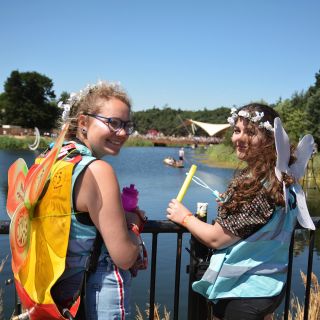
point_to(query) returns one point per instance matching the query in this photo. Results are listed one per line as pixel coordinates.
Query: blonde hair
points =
(85, 102)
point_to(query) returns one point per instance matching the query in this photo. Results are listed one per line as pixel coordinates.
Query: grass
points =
(297, 309)
(21, 143)
(220, 155)
(157, 316)
(138, 142)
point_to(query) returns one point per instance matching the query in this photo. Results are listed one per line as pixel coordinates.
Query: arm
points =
(213, 236)
(97, 192)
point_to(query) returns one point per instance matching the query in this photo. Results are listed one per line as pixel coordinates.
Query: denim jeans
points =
(107, 292)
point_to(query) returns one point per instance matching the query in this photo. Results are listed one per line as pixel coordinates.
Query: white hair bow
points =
(296, 170)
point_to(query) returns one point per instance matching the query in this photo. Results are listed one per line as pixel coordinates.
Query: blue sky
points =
(184, 54)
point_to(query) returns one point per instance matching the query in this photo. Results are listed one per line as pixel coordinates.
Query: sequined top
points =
(248, 217)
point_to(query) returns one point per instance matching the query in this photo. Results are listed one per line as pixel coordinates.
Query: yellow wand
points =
(186, 183)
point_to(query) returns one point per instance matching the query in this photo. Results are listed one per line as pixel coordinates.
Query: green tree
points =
(313, 114)
(294, 117)
(64, 96)
(29, 101)
(170, 121)
(312, 90)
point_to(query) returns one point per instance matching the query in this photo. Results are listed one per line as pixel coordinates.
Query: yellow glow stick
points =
(186, 183)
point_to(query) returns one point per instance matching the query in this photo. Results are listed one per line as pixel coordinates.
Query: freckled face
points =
(100, 139)
(246, 141)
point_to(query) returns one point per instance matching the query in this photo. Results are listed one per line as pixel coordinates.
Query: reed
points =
(157, 316)
(297, 309)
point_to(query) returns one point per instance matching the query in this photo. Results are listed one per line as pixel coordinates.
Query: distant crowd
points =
(195, 139)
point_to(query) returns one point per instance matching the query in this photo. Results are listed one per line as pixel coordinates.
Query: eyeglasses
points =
(115, 124)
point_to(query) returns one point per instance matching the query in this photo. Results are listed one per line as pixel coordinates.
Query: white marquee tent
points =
(210, 128)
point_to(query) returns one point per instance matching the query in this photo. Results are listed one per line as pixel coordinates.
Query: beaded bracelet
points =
(185, 219)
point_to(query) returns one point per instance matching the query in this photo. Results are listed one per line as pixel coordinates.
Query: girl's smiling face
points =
(100, 138)
(247, 140)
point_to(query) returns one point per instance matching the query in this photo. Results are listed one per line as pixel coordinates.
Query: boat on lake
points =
(173, 162)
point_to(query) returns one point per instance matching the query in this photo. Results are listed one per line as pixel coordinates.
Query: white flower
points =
(231, 120)
(267, 125)
(244, 114)
(258, 116)
(254, 118)
(66, 109)
(233, 111)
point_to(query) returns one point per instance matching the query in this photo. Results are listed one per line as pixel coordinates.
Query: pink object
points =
(129, 197)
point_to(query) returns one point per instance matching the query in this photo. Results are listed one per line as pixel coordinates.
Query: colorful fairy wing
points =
(49, 238)
(37, 179)
(16, 178)
(19, 237)
(303, 154)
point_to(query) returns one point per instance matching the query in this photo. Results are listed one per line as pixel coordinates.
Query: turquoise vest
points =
(82, 235)
(256, 266)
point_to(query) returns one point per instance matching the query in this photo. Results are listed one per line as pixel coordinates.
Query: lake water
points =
(157, 185)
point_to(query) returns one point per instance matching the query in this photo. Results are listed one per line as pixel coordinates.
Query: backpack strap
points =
(95, 253)
(91, 267)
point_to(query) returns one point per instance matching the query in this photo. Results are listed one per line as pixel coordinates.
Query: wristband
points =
(135, 229)
(185, 219)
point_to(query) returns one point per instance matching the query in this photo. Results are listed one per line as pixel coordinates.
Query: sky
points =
(190, 54)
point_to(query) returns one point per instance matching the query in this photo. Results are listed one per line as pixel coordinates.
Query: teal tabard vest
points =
(255, 266)
(82, 235)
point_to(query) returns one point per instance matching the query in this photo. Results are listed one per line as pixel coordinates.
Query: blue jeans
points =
(107, 292)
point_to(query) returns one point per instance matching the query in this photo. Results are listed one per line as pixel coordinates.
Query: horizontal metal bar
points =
(151, 226)
(154, 226)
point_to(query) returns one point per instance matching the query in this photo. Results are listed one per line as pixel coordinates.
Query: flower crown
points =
(76, 97)
(256, 118)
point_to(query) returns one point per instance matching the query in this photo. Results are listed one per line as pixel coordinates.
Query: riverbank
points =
(223, 156)
(23, 142)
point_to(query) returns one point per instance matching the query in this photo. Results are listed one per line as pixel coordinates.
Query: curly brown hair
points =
(261, 173)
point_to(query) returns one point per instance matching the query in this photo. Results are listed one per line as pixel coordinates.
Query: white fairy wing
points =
(286, 196)
(282, 147)
(303, 213)
(303, 154)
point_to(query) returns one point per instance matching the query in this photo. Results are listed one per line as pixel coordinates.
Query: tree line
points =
(29, 101)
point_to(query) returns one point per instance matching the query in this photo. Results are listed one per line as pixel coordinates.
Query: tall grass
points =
(220, 155)
(21, 143)
(157, 316)
(297, 309)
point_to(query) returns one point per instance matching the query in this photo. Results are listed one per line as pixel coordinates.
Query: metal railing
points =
(197, 305)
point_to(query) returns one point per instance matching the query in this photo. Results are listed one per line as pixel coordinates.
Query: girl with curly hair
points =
(255, 220)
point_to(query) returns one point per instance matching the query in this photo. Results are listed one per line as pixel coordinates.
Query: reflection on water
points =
(157, 185)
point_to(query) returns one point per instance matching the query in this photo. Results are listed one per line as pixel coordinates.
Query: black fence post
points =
(197, 304)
